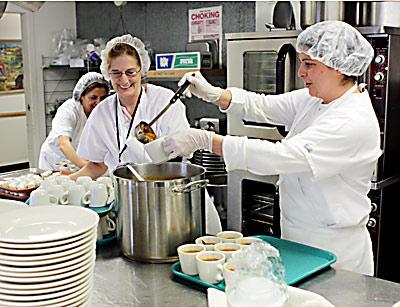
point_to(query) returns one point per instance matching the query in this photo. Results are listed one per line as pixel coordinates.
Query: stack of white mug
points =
(213, 257)
(230, 257)
(64, 191)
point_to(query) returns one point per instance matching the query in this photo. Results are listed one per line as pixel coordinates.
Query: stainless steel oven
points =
(262, 62)
(383, 80)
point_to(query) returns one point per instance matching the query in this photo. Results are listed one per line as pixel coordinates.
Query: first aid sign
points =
(184, 60)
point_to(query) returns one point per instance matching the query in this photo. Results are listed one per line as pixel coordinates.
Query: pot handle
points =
(191, 186)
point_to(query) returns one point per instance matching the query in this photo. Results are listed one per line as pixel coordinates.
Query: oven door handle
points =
(286, 49)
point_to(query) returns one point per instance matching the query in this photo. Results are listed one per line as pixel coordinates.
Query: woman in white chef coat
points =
(108, 138)
(71, 116)
(327, 159)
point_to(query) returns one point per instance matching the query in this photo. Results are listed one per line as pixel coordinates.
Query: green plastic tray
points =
(300, 261)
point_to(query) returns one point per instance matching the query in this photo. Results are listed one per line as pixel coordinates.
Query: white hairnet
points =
(87, 80)
(337, 45)
(129, 40)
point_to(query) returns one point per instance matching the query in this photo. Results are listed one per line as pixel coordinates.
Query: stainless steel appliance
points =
(263, 62)
(383, 79)
(155, 216)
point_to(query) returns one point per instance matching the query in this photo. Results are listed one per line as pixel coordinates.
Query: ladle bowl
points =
(143, 131)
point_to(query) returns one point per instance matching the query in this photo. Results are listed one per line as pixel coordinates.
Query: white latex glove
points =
(187, 141)
(200, 87)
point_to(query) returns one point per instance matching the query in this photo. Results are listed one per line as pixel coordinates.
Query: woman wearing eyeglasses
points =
(108, 138)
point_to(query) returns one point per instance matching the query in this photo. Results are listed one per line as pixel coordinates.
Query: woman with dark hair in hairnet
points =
(69, 121)
(327, 159)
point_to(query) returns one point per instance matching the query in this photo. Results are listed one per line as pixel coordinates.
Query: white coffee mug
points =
(67, 184)
(45, 184)
(229, 235)
(85, 181)
(208, 241)
(62, 179)
(76, 193)
(210, 266)
(155, 150)
(58, 191)
(105, 226)
(40, 197)
(230, 271)
(105, 180)
(245, 242)
(110, 187)
(97, 195)
(227, 248)
(187, 257)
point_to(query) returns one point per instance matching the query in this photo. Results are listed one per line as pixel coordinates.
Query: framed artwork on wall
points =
(11, 67)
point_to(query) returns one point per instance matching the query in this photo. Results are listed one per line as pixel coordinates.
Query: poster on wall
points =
(11, 70)
(205, 23)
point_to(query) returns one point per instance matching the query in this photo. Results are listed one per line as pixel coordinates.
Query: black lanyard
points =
(130, 125)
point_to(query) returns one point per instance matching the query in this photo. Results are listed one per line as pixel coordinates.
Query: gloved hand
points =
(200, 87)
(187, 141)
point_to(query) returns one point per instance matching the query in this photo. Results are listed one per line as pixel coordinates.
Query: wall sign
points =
(205, 23)
(183, 60)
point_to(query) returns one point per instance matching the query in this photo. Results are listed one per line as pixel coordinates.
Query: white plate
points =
(42, 297)
(76, 301)
(42, 270)
(49, 250)
(34, 258)
(46, 285)
(10, 205)
(48, 244)
(70, 298)
(65, 273)
(46, 223)
(83, 277)
(90, 247)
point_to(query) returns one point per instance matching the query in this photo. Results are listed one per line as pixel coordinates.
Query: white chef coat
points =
(99, 138)
(325, 165)
(69, 120)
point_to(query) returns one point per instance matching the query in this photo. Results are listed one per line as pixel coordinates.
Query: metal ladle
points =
(135, 173)
(143, 131)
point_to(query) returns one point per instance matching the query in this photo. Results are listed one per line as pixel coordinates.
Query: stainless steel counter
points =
(121, 282)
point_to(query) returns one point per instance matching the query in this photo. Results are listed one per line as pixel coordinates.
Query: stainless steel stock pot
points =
(157, 215)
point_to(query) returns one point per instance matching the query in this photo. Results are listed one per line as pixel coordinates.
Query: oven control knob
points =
(371, 223)
(374, 207)
(380, 59)
(379, 76)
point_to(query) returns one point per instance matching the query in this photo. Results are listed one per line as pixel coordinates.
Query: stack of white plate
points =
(47, 256)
